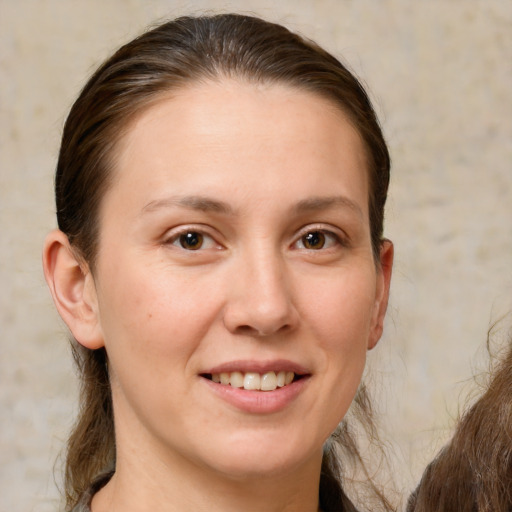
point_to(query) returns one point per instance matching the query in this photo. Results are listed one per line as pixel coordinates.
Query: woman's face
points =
(235, 246)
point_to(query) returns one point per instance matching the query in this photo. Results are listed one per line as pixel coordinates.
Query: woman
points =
(473, 472)
(220, 263)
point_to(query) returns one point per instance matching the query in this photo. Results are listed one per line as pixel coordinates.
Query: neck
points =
(145, 484)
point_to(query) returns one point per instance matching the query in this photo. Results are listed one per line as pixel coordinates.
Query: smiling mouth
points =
(252, 381)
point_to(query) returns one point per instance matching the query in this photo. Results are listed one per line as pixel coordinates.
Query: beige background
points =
(440, 74)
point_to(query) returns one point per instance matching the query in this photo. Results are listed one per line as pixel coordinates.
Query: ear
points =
(382, 292)
(73, 290)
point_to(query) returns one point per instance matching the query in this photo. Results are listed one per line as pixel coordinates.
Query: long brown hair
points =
(473, 472)
(170, 56)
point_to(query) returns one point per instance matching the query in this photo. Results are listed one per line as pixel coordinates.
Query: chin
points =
(257, 460)
(253, 470)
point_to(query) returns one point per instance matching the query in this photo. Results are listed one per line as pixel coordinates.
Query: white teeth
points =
(236, 380)
(268, 381)
(253, 381)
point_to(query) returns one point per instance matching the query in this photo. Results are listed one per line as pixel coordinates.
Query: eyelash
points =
(326, 237)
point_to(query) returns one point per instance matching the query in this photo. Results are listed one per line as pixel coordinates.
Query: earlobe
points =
(382, 292)
(72, 287)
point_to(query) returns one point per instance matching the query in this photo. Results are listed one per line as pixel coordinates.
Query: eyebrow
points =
(314, 204)
(201, 203)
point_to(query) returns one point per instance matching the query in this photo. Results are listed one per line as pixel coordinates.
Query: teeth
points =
(236, 380)
(268, 381)
(254, 381)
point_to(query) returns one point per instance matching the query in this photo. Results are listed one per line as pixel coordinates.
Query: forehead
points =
(231, 133)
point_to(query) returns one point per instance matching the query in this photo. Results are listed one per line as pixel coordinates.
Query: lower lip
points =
(258, 402)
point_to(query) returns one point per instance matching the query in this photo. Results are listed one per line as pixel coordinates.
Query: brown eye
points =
(314, 240)
(191, 240)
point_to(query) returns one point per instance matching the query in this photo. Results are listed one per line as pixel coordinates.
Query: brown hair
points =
(172, 55)
(473, 472)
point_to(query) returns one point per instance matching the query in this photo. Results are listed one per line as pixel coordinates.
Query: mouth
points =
(253, 381)
(257, 387)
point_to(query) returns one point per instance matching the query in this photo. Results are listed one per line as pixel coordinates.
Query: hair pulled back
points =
(180, 52)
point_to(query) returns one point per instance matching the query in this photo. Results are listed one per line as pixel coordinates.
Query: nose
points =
(261, 298)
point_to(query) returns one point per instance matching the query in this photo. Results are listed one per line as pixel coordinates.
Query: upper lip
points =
(245, 366)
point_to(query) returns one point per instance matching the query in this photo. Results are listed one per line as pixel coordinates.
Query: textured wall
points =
(440, 74)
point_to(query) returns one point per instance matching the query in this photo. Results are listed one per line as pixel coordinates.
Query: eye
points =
(316, 240)
(313, 240)
(191, 240)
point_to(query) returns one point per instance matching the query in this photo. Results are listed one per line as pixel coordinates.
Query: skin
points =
(254, 169)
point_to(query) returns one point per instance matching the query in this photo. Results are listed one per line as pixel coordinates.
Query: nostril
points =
(248, 330)
(281, 330)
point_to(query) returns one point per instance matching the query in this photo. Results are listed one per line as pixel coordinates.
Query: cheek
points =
(153, 325)
(153, 313)
(340, 315)
(340, 310)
